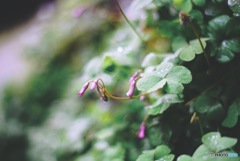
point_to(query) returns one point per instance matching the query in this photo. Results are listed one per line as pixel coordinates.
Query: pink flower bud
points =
(94, 84)
(134, 76)
(83, 89)
(131, 89)
(141, 132)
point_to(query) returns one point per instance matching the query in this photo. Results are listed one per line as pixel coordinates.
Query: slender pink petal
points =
(131, 89)
(83, 89)
(141, 132)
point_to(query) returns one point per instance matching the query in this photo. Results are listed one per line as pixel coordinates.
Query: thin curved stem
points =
(130, 24)
(201, 44)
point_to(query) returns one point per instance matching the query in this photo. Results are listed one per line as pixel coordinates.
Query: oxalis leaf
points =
(150, 83)
(180, 74)
(216, 143)
(163, 103)
(196, 46)
(147, 155)
(188, 52)
(232, 115)
(169, 157)
(173, 87)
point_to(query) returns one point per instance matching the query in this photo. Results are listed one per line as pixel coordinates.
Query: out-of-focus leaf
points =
(205, 102)
(232, 115)
(169, 157)
(151, 60)
(161, 151)
(183, 5)
(147, 155)
(201, 151)
(233, 27)
(216, 143)
(199, 2)
(224, 54)
(184, 158)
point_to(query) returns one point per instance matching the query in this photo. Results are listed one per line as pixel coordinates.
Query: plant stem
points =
(200, 41)
(130, 24)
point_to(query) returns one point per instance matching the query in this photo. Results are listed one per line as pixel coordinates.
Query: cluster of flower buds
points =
(132, 82)
(98, 83)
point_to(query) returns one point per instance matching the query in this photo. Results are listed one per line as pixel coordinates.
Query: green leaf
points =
(196, 46)
(233, 27)
(205, 102)
(161, 151)
(187, 54)
(173, 87)
(163, 103)
(169, 157)
(150, 83)
(217, 26)
(183, 5)
(164, 68)
(199, 2)
(232, 116)
(184, 158)
(147, 155)
(232, 45)
(201, 151)
(216, 143)
(225, 143)
(225, 54)
(158, 107)
(210, 140)
(151, 60)
(109, 65)
(139, 4)
(180, 74)
(178, 42)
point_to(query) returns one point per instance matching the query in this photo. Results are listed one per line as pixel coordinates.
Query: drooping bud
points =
(131, 89)
(134, 76)
(83, 89)
(141, 131)
(94, 84)
(184, 18)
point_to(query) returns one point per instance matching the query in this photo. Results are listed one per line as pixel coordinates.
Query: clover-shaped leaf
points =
(147, 155)
(180, 74)
(216, 143)
(232, 115)
(163, 103)
(188, 51)
(183, 5)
